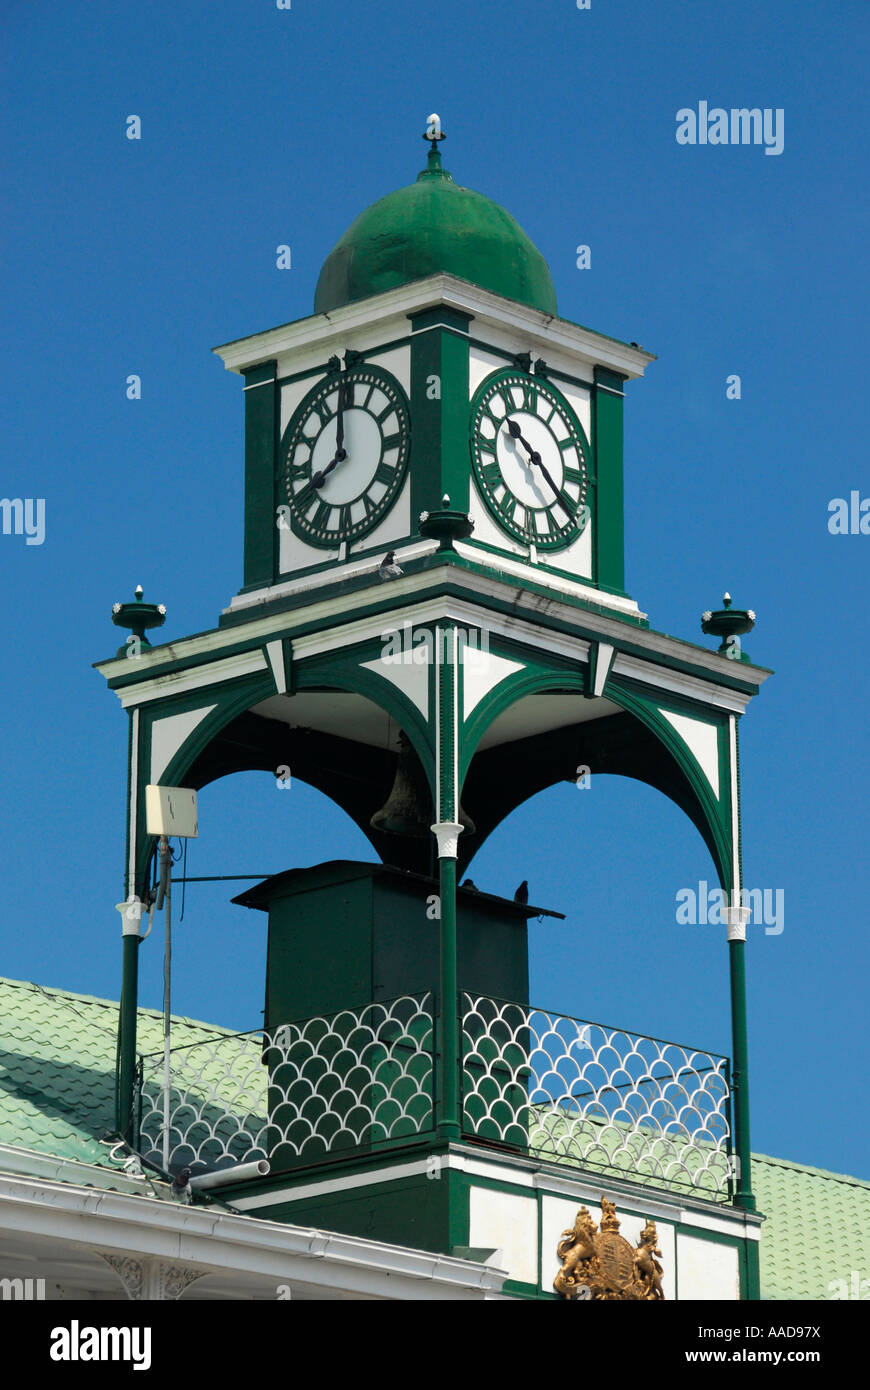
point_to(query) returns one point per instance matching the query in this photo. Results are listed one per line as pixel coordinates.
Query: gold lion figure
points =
(576, 1246)
(648, 1271)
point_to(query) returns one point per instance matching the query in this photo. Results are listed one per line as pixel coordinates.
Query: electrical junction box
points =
(171, 811)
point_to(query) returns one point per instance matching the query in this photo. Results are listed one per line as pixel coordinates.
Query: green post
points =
(439, 409)
(743, 1195)
(126, 1088)
(609, 531)
(449, 1126)
(737, 915)
(261, 521)
(447, 831)
(740, 1075)
(131, 937)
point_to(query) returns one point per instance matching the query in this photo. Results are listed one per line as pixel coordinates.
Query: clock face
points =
(529, 455)
(344, 455)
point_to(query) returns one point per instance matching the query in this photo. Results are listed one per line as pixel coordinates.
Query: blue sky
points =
(263, 127)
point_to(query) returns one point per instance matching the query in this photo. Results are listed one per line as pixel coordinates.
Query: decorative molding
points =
(447, 834)
(603, 658)
(151, 1279)
(181, 682)
(275, 654)
(736, 919)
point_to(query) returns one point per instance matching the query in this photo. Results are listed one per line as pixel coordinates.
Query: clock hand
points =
(565, 501)
(339, 433)
(340, 452)
(535, 457)
(319, 478)
(516, 433)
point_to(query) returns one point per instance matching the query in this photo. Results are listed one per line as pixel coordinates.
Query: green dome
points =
(430, 227)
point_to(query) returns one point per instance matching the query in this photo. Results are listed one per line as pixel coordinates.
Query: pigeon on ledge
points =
(388, 569)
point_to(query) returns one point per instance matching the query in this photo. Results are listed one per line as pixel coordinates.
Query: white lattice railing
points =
(590, 1096)
(573, 1092)
(305, 1091)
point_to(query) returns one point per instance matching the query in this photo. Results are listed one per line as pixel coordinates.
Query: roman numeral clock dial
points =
(344, 456)
(529, 456)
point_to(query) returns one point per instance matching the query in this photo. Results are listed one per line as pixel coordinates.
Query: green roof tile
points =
(816, 1239)
(57, 1068)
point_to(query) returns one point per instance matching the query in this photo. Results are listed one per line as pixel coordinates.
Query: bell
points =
(408, 808)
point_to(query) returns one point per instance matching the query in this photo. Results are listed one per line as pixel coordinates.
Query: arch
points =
(639, 741)
(230, 737)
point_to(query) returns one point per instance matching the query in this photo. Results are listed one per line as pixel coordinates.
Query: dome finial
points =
(433, 133)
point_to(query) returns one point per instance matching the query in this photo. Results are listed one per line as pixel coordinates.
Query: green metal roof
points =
(434, 226)
(57, 1068)
(816, 1233)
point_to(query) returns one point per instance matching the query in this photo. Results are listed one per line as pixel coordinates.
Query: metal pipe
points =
(165, 894)
(219, 878)
(242, 1172)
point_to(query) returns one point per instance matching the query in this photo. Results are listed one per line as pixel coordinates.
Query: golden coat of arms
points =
(600, 1264)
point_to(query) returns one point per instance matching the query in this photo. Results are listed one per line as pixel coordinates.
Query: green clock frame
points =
(319, 522)
(535, 394)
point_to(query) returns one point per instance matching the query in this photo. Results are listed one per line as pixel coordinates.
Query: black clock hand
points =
(516, 433)
(535, 457)
(339, 433)
(560, 495)
(320, 477)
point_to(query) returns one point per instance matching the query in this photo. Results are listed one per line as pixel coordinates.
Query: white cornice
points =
(561, 586)
(651, 1202)
(351, 569)
(181, 682)
(428, 612)
(226, 1242)
(327, 331)
(523, 623)
(575, 588)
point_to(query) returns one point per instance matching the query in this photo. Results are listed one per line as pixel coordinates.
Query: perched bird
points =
(521, 896)
(471, 885)
(388, 569)
(180, 1188)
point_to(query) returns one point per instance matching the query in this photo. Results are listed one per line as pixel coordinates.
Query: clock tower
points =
(433, 626)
